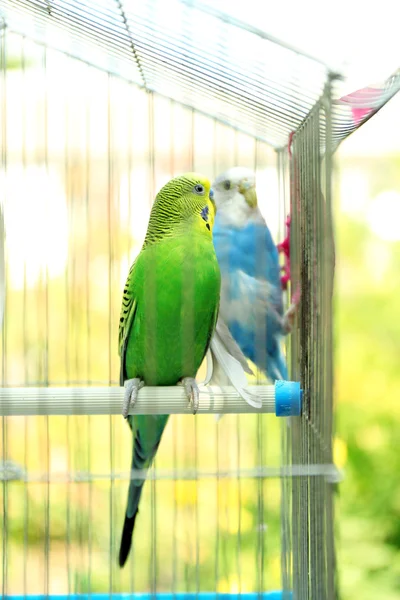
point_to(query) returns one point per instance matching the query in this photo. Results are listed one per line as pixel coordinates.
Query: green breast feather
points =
(171, 299)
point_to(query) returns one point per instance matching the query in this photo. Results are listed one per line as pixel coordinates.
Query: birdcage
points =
(101, 103)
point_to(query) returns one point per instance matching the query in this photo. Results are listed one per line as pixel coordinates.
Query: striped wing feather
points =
(128, 310)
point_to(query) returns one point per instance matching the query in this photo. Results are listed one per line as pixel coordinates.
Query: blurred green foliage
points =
(367, 393)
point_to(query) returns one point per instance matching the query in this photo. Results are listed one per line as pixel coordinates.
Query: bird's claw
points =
(132, 387)
(288, 318)
(290, 314)
(192, 392)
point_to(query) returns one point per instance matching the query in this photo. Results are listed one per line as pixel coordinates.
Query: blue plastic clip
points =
(288, 398)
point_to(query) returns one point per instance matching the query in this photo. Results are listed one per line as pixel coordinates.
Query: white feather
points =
(225, 368)
(209, 365)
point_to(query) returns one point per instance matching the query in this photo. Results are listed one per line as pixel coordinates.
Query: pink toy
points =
(285, 248)
(362, 102)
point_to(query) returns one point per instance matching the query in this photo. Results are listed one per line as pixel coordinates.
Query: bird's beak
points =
(249, 192)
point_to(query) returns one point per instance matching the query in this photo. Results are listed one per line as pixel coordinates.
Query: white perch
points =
(283, 399)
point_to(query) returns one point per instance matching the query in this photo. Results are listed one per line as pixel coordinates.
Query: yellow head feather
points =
(184, 202)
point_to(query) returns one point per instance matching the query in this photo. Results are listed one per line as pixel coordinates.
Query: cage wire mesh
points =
(102, 103)
(83, 150)
(308, 540)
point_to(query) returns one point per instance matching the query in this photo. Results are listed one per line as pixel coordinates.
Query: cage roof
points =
(203, 58)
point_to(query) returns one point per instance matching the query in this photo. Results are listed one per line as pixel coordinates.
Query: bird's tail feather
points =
(234, 372)
(126, 538)
(140, 460)
(229, 365)
(134, 494)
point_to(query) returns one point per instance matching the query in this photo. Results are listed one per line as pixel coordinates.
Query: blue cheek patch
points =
(204, 213)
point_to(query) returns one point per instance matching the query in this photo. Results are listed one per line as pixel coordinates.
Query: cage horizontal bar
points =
(16, 401)
(12, 471)
(276, 595)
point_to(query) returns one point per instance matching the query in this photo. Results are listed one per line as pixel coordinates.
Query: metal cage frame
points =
(294, 113)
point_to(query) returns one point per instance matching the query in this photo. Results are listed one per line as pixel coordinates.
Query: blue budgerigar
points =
(251, 291)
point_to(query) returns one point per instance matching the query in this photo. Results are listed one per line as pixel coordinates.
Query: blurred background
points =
(367, 333)
(58, 151)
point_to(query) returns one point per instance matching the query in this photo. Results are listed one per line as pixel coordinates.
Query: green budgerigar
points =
(169, 312)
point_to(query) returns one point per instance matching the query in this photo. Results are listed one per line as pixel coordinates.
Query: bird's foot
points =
(192, 392)
(132, 387)
(285, 277)
(288, 318)
(290, 314)
(286, 274)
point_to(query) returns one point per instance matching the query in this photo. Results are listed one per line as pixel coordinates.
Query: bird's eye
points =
(227, 185)
(199, 189)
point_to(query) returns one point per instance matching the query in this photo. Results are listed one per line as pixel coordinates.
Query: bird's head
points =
(184, 203)
(235, 195)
